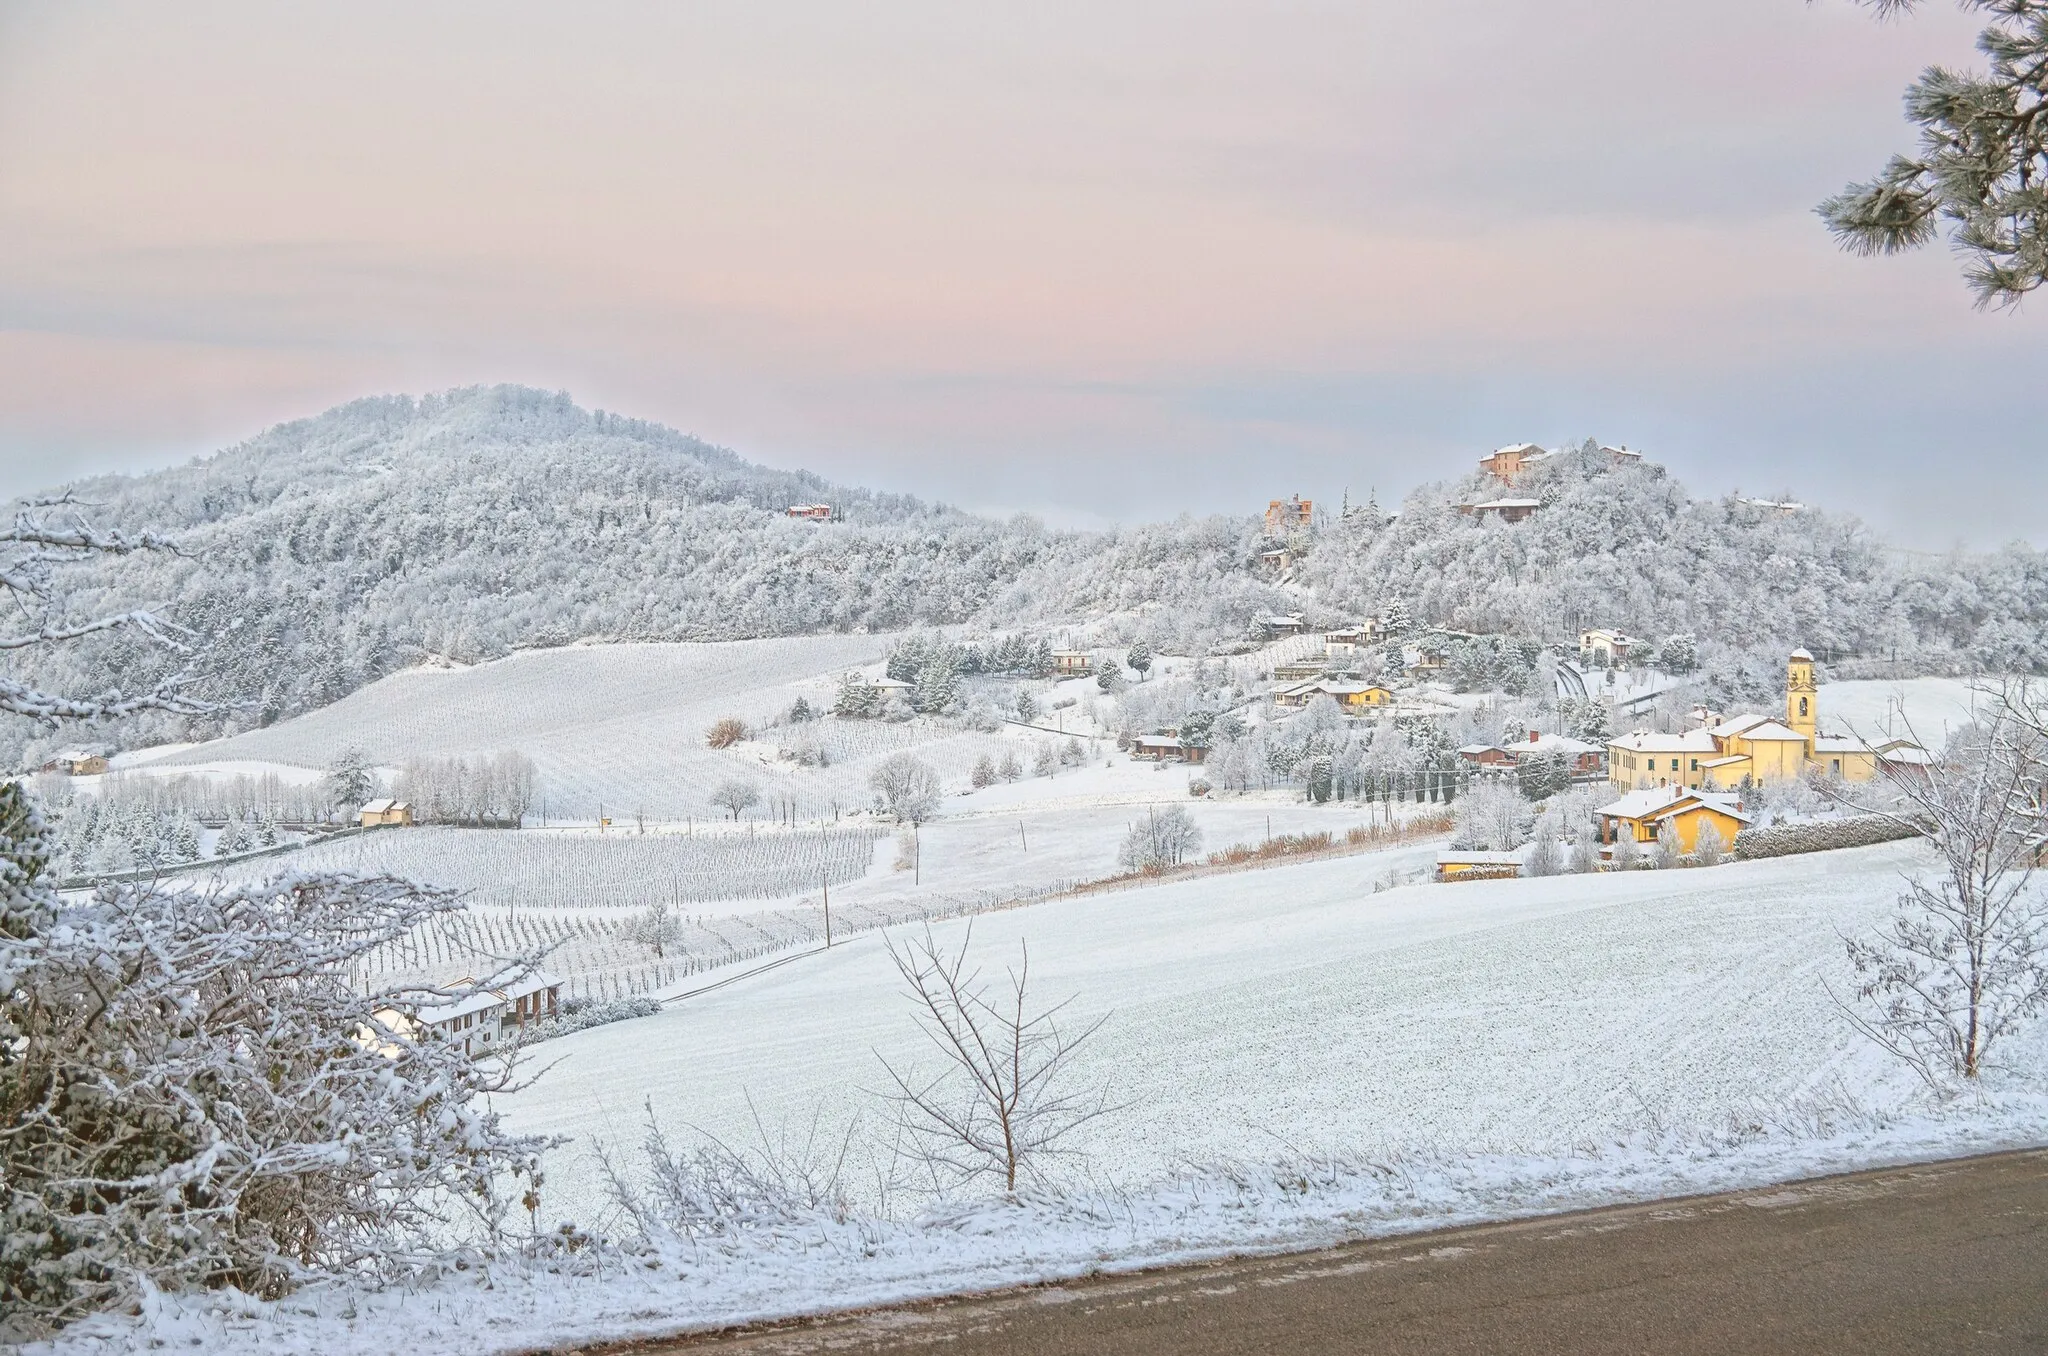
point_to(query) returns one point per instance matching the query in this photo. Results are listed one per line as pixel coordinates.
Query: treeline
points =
(489, 790)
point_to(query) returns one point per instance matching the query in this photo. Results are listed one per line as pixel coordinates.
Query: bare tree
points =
(725, 732)
(1965, 960)
(32, 551)
(736, 797)
(907, 788)
(997, 1107)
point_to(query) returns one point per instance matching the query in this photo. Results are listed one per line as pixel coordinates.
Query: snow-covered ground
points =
(1301, 1060)
(1932, 708)
(1295, 1005)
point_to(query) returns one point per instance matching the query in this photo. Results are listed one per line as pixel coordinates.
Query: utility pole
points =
(1020, 836)
(827, 875)
(916, 855)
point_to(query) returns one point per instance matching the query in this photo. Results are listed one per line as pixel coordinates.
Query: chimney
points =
(1532, 736)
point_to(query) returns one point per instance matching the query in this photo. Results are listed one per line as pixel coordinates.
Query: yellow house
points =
(385, 813)
(1641, 814)
(1348, 696)
(1750, 748)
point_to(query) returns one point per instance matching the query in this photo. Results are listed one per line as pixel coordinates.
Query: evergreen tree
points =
(1982, 164)
(1140, 659)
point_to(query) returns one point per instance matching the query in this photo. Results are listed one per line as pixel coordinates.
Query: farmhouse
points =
(1279, 625)
(1348, 696)
(1581, 758)
(1641, 814)
(78, 762)
(1507, 463)
(1507, 510)
(1285, 515)
(385, 813)
(1068, 663)
(1605, 649)
(1750, 748)
(816, 513)
(1161, 748)
(490, 1017)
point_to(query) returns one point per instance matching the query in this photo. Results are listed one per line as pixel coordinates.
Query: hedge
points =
(1817, 835)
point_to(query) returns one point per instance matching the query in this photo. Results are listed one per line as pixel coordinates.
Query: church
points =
(1750, 749)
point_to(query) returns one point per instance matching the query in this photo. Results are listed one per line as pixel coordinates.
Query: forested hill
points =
(330, 551)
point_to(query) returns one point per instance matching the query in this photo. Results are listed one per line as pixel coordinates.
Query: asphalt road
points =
(1946, 1257)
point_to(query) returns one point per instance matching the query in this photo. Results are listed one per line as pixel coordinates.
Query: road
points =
(1946, 1257)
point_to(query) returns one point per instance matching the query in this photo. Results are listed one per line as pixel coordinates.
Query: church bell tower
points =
(1802, 699)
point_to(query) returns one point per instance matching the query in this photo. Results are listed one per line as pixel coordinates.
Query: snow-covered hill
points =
(332, 551)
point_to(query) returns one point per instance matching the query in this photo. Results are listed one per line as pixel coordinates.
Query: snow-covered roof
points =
(1336, 689)
(1802, 654)
(1474, 750)
(1557, 743)
(1524, 449)
(489, 1000)
(1507, 504)
(1479, 859)
(1735, 725)
(1620, 451)
(1647, 801)
(1908, 755)
(1643, 741)
(1157, 741)
(892, 684)
(1661, 802)
(1771, 731)
(384, 806)
(1724, 762)
(1840, 744)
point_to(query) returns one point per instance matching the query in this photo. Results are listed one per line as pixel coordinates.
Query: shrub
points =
(725, 732)
(1817, 835)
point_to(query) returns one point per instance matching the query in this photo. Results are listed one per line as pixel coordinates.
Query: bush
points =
(726, 732)
(194, 1093)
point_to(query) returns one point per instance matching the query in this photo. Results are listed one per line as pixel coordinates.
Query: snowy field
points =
(1296, 1006)
(1932, 708)
(1301, 1060)
(617, 726)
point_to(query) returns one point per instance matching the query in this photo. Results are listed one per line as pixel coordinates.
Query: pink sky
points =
(1097, 261)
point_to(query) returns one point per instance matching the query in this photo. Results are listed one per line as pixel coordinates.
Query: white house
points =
(490, 1017)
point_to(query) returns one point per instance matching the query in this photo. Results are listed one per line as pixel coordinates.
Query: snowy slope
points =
(1303, 1062)
(1296, 1006)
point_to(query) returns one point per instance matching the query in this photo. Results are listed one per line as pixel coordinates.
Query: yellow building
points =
(1641, 814)
(1348, 696)
(1751, 748)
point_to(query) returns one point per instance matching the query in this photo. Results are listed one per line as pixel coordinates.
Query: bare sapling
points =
(1964, 961)
(1000, 1105)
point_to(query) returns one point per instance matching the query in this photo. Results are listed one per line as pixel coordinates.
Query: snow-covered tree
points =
(1492, 817)
(194, 1091)
(906, 787)
(1982, 162)
(1160, 838)
(736, 796)
(1545, 857)
(1965, 960)
(1140, 659)
(350, 780)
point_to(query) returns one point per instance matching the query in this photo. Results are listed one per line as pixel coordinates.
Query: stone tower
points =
(1802, 699)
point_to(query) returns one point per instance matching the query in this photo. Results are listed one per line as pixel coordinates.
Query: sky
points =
(1102, 262)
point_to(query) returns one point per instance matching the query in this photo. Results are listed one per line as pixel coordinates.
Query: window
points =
(1802, 706)
(1695, 765)
(1674, 765)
